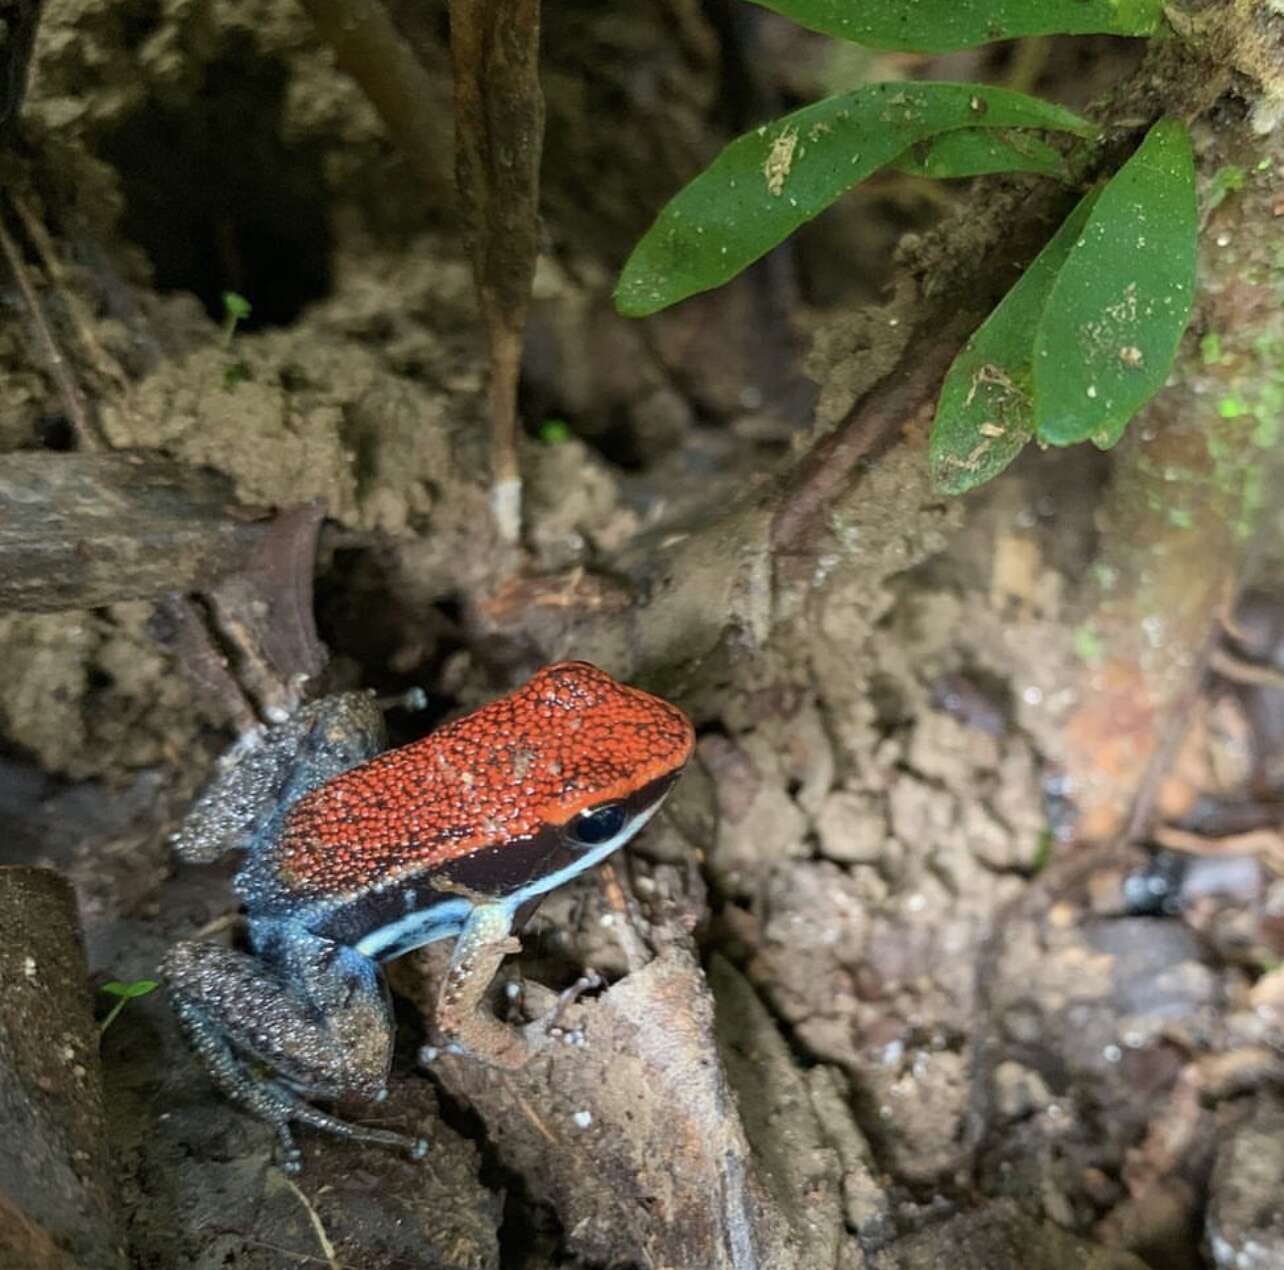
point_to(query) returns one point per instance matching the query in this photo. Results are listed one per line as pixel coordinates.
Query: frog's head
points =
(592, 760)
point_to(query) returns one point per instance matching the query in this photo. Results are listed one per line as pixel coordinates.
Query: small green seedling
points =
(125, 992)
(554, 431)
(236, 309)
(1043, 852)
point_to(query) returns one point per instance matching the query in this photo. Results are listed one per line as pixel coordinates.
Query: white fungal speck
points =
(780, 159)
(582, 1119)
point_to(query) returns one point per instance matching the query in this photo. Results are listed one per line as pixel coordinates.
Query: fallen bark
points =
(55, 1172)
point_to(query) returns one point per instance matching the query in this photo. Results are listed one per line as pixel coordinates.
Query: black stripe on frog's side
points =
(412, 911)
(512, 868)
(388, 906)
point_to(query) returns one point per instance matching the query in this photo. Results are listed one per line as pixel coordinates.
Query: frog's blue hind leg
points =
(275, 768)
(315, 1012)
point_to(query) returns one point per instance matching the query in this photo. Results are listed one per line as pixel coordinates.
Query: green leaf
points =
(985, 413)
(1121, 301)
(937, 26)
(976, 151)
(139, 988)
(236, 306)
(1226, 180)
(775, 178)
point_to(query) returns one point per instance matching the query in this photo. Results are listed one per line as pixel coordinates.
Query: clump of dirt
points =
(359, 404)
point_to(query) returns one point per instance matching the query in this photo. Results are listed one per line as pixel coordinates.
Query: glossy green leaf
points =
(1122, 299)
(138, 988)
(985, 413)
(977, 151)
(937, 26)
(771, 180)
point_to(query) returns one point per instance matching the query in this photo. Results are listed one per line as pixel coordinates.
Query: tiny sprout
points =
(236, 308)
(1043, 852)
(125, 992)
(554, 431)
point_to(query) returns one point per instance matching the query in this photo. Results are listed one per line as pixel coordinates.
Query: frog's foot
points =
(551, 1022)
(271, 1101)
(411, 700)
(462, 1014)
(234, 1010)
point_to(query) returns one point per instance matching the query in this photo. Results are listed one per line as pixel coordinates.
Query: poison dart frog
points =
(355, 854)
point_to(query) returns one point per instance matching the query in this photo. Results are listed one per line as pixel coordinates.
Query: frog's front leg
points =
(313, 1011)
(462, 1014)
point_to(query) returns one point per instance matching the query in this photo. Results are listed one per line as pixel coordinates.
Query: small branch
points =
(104, 363)
(499, 131)
(86, 430)
(195, 651)
(368, 46)
(318, 1229)
(870, 428)
(1170, 734)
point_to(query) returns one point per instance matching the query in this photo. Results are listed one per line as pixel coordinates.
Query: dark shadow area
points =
(219, 201)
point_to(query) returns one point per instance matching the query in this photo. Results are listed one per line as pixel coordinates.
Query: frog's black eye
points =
(592, 828)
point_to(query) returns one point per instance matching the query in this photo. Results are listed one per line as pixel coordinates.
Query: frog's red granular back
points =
(569, 739)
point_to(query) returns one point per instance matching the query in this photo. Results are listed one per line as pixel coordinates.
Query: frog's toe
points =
(291, 1155)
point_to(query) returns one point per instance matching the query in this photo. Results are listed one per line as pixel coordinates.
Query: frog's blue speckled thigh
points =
(313, 1011)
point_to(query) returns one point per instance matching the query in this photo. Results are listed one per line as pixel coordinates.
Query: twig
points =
(1256, 842)
(368, 46)
(298, 1256)
(1241, 671)
(499, 133)
(636, 952)
(103, 361)
(529, 1112)
(869, 429)
(1181, 711)
(196, 651)
(322, 1238)
(77, 412)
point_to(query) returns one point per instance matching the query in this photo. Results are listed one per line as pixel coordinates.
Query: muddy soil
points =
(870, 1003)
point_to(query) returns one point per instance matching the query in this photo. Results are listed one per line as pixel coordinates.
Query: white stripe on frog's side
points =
(439, 920)
(446, 917)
